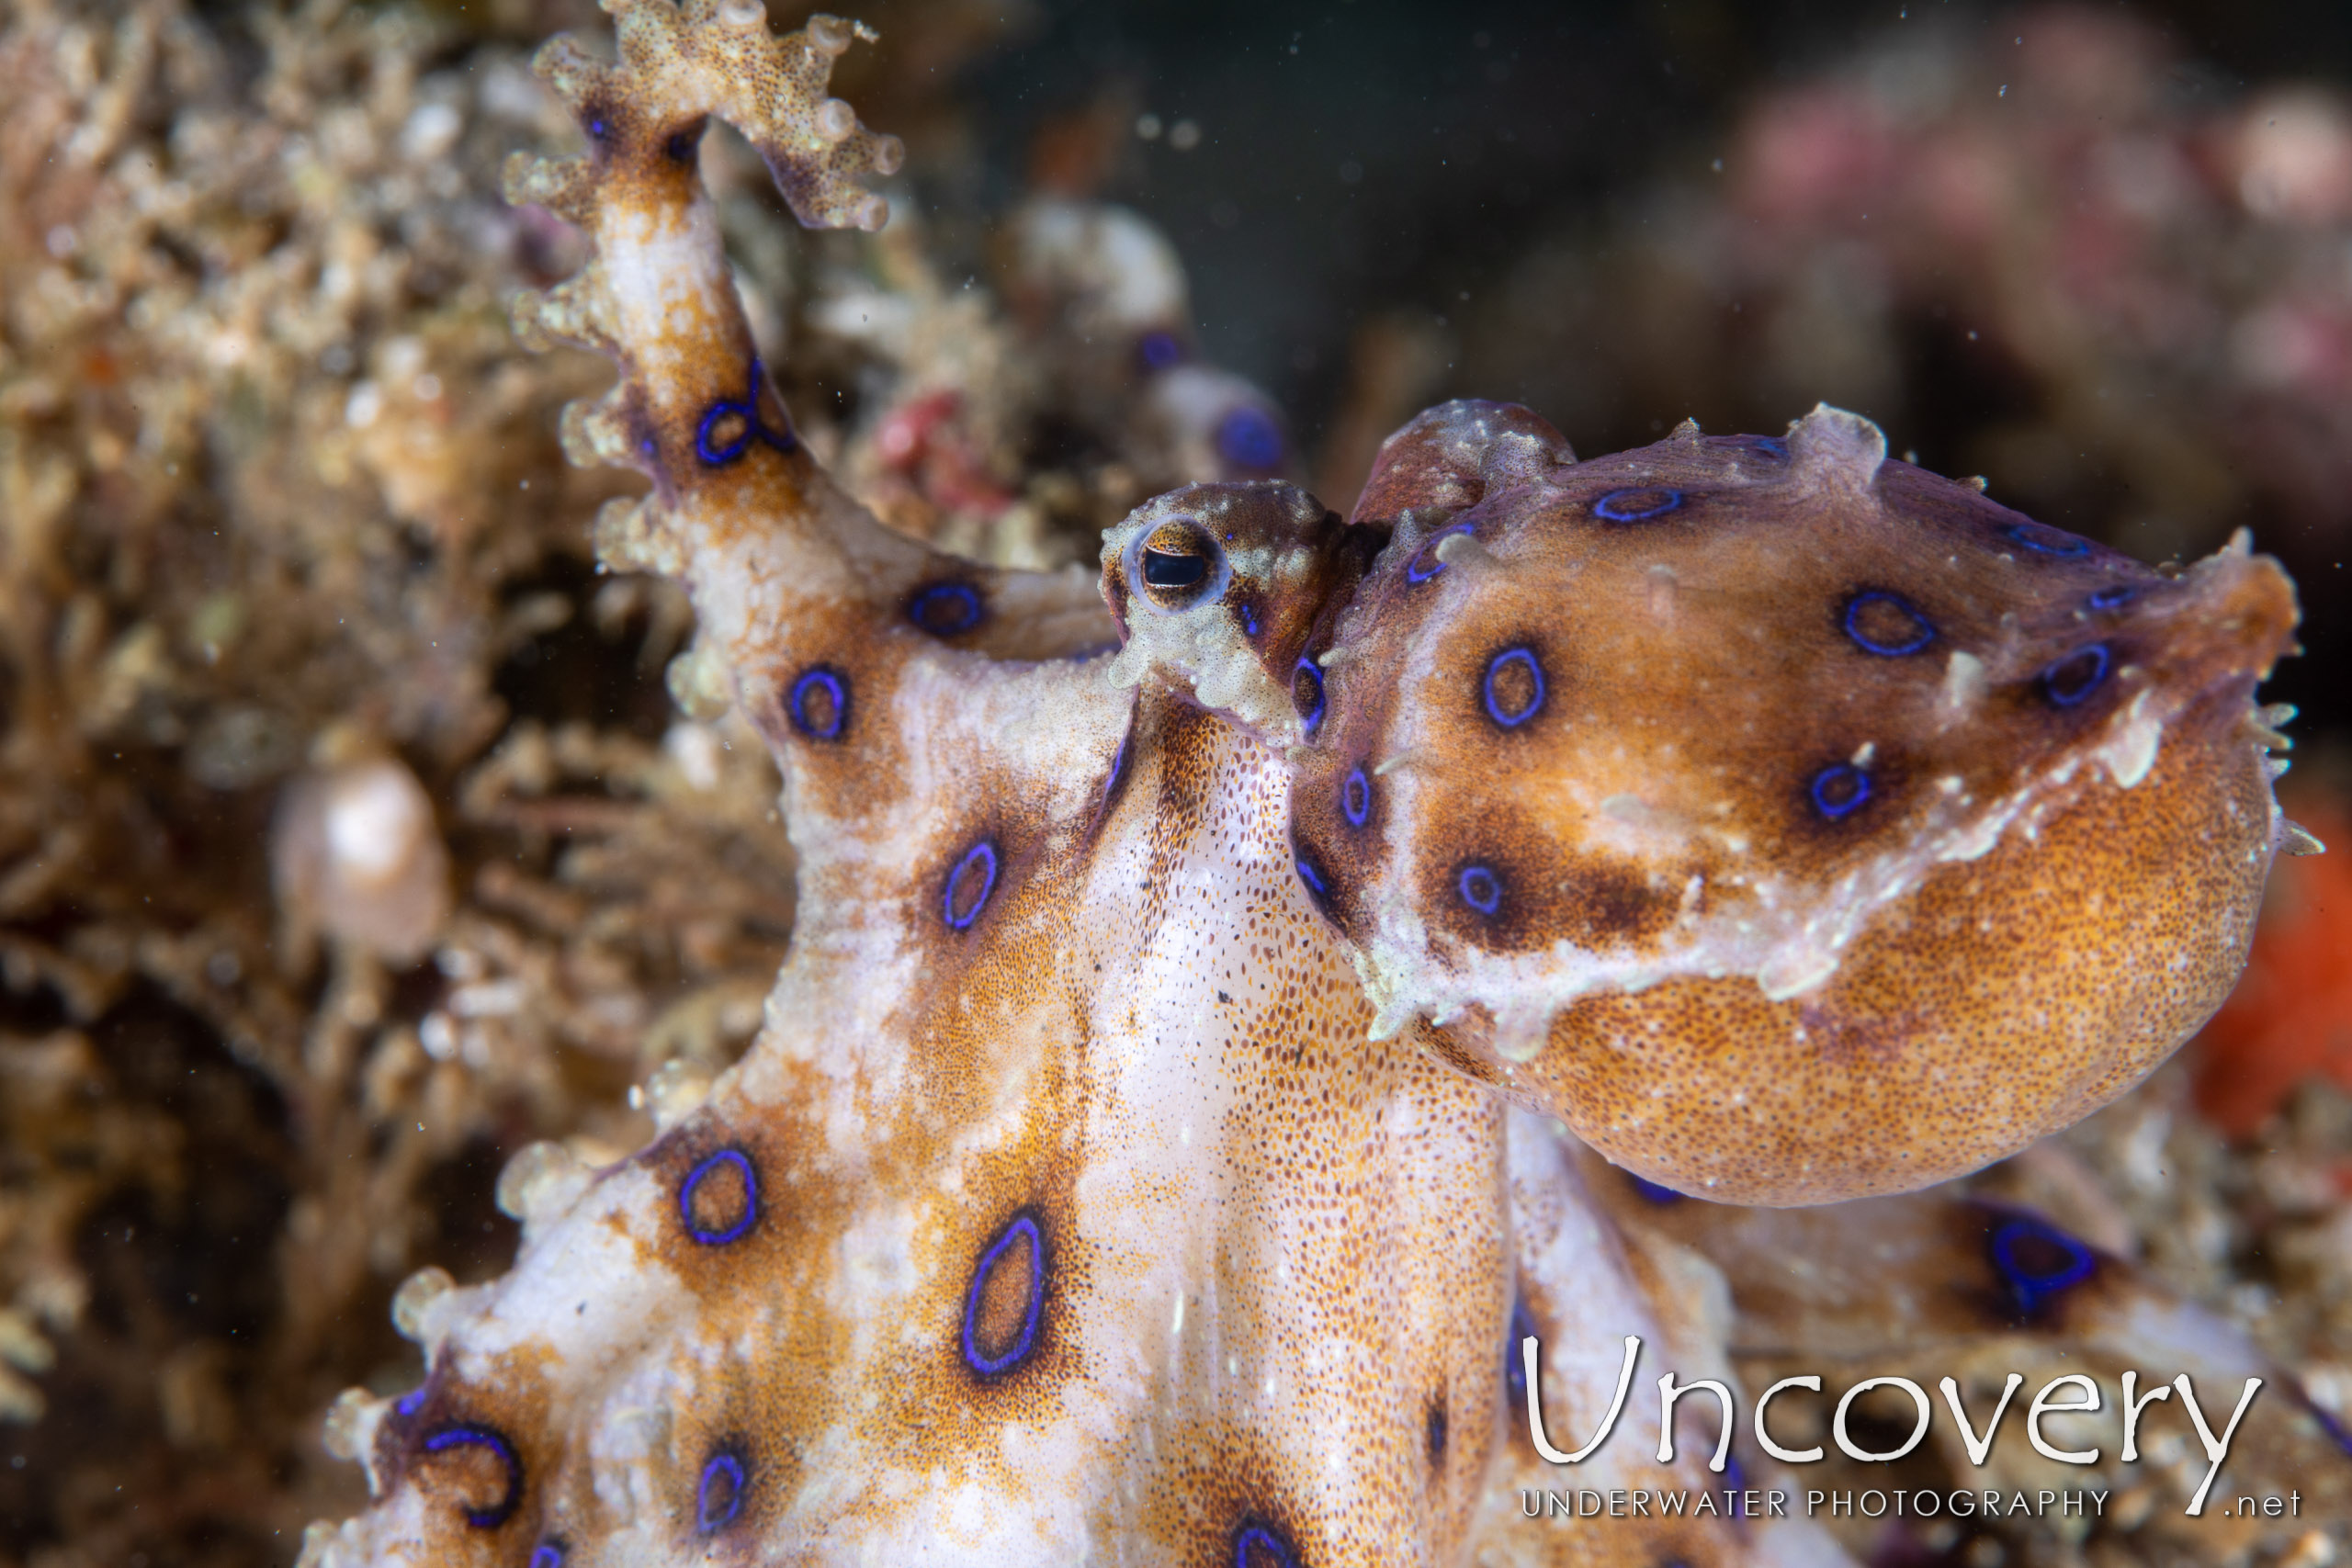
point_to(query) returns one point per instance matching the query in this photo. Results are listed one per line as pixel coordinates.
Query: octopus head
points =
(1794, 823)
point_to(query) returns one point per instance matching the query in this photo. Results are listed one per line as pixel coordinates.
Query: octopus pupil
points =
(1162, 569)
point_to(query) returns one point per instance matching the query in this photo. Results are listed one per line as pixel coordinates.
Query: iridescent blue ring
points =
(1424, 563)
(1923, 633)
(1773, 444)
(547, 1554)
(466, 1435)
(1637, 504)
(946, 609)
(983, 855)
(1355, 799)
(725, 1467)
(1118, 763)
(1534, 673)
(1310, 873)
(826, 679)
(1312, 718)
(1480, 888)
(1254, 1536)
(1247, 437)
(1653, 1193)
(741, 1164)
(2065, 693)
(2046, 540)
(2113, 598)
(718, 454)
(2029, 1287)
(1839, 790)
(1024, 1227)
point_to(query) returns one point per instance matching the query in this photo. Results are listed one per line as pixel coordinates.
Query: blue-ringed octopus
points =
(1240, 1000)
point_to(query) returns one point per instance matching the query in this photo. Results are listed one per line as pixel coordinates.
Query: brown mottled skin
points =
(1119, 1176)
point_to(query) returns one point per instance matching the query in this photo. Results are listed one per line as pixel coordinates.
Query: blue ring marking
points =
(686, 1190)
(466, 1435)
(1839, 790)
(1480, 888)
(1653, 1192)
(1514, 1363)
(982, 854)
(1309, 874)
(1924, 633)
(1033, 1312)
(2028, 1287)
(1249, 619)
(720, 1466)
(1312, 719)
(1534, 673)
(1255, 1537)
(1425, 564)
(1118, 763)
(2334, 1429)
(2113, 598)
(547, 1554)
(1773, 444)
(598, 129)
(1247, 438)
(2068, 694)
(1160, 350)
(1628, 505)
(2043, 539)
(748, 411)
(960, 603)
(824, 678)
(1355, 799)
(412, 1400)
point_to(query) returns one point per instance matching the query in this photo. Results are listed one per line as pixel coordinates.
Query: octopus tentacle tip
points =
(1267, 967)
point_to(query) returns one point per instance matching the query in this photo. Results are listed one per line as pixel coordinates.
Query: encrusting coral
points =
(1148, 1153)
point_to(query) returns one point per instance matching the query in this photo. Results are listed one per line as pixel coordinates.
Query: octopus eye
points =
(2076, 676)
(1178, 560)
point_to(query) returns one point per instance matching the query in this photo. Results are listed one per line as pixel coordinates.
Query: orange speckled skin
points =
(1119, 1175)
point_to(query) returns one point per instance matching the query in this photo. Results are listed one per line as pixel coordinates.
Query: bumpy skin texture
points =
(1118, 1177)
